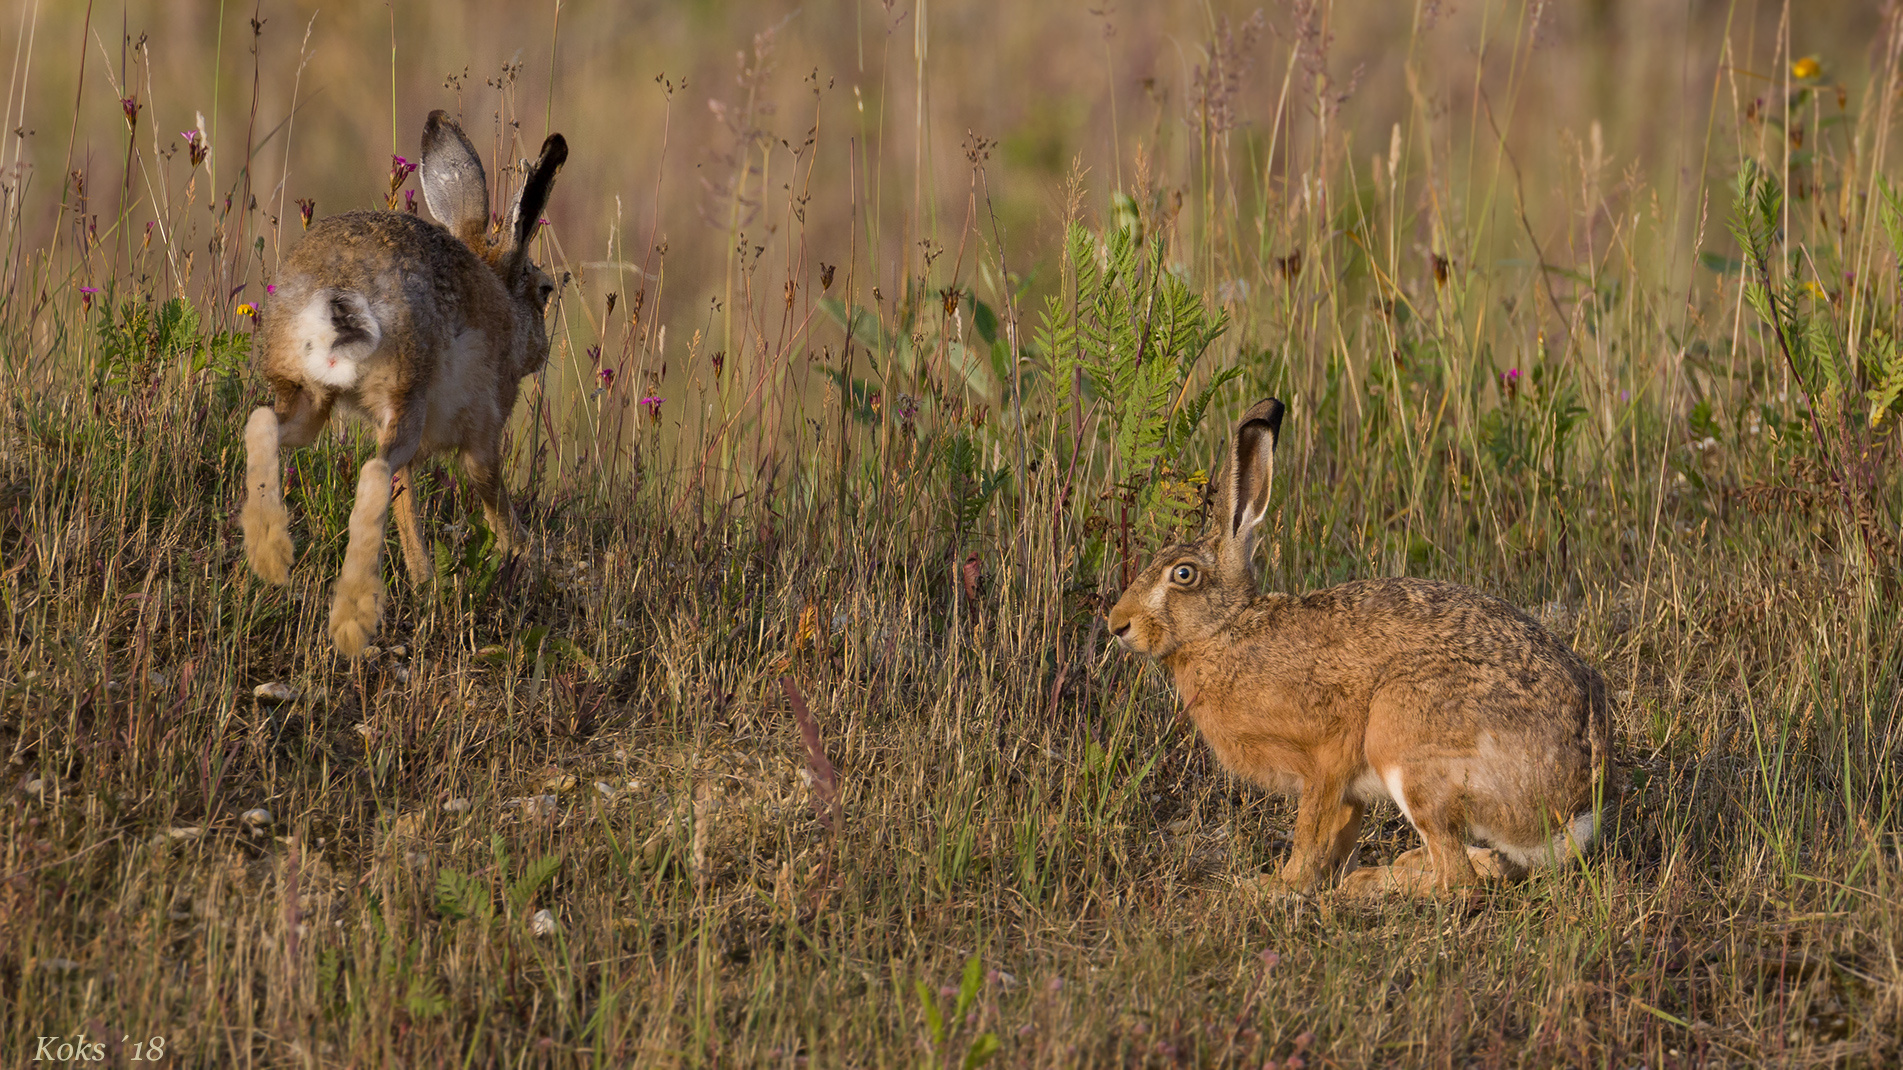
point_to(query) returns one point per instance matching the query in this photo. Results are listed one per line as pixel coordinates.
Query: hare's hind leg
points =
(265, 523)
(1413, 872)
(483, 463)
(403, 503)
(1488, 864)
(1443, 862)
(357, 603)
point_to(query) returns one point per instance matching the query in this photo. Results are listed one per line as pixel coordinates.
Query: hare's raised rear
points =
(426, 331)
(1479, 723)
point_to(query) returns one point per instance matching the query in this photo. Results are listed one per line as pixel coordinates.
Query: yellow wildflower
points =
(1807, 68)
(247, 309)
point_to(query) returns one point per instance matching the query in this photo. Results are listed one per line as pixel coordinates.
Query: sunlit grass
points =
(996, 839)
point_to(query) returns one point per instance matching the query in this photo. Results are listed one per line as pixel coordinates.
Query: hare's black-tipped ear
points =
(1246, 491)
(454, 185)
(529, 205)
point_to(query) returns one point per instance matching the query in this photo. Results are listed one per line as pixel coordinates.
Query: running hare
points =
(1478, 722)
(426, 331)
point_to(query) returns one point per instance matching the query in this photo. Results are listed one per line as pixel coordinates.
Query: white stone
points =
(275, 692)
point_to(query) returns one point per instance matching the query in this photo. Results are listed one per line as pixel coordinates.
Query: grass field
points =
(796, 737)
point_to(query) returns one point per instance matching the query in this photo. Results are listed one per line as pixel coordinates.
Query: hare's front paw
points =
(354, 611)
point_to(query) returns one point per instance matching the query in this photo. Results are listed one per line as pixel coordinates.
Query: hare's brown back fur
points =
(452, 341)
(1378, 673)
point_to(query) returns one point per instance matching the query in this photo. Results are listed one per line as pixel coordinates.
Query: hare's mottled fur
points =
(1479, 723)
(424, 330)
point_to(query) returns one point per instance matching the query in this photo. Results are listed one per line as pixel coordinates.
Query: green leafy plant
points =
(942, 1030)
(462, 896)
(136, 342)
(1849, 393)
(1125, 332)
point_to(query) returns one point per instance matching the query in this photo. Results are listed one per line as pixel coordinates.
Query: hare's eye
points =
(1183, 575)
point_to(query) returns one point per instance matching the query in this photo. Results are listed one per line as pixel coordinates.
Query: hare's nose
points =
(1123, 631)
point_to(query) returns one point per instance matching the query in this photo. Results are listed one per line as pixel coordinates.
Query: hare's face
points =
(537, 287)
(532, 291)
(1183, 596)
(1194, 589)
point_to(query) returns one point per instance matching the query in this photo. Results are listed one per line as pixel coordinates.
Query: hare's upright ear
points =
(529, 204)
(1244, 499)
(454, 185)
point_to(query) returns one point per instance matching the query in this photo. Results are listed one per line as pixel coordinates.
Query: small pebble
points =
(35, 786)
(186, 832)
(543, 923)
(257, 817)
(399, 651)
(276, 691)
(540, 805)
(456, 806)
(607, 790)
(560, 783)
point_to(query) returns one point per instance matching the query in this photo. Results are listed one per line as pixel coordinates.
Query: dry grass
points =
(986, 835)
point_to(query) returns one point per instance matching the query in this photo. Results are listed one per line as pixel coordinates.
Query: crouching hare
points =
(426, 331)
(1480, 724)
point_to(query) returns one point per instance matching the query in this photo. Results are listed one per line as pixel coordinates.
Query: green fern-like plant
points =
(1843, 390)
(462, 896)
(1886, 396)
(1126, 331)
(1851, 390)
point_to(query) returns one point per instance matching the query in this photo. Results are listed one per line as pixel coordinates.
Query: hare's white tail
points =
(358, 600)
(266, 526)
(335, 331)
